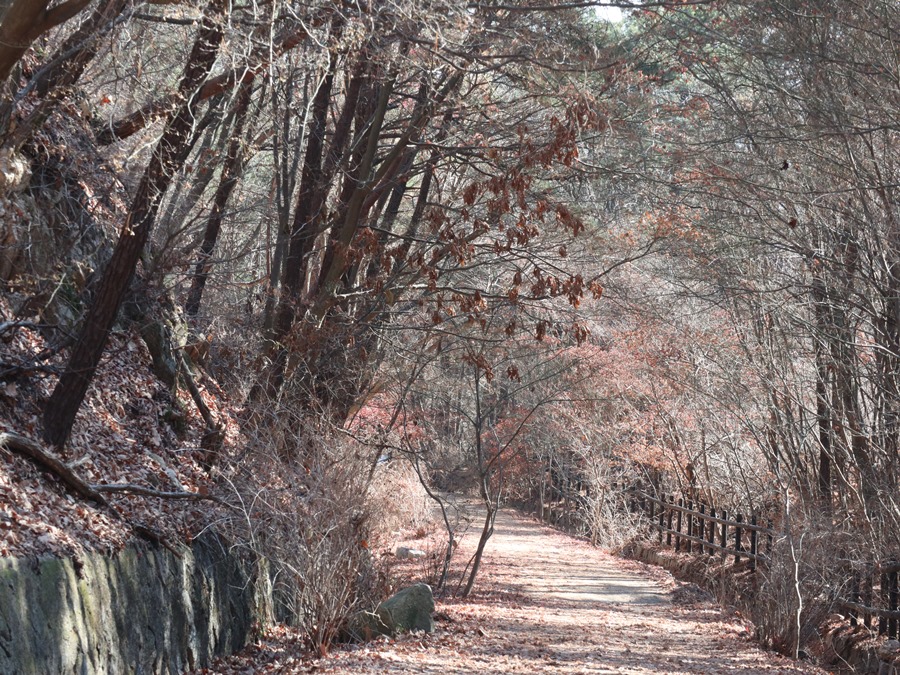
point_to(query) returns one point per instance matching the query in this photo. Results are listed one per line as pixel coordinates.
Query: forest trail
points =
(548, 603)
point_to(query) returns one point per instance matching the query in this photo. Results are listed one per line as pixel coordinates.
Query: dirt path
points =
(547, 603)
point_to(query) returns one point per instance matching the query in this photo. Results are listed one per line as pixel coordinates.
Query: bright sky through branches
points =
(611, 14)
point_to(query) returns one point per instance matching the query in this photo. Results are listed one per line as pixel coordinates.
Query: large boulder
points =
(408, 609)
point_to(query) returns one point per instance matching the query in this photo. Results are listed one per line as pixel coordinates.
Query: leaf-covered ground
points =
(548, 603)
(120, 436)
(544, 602)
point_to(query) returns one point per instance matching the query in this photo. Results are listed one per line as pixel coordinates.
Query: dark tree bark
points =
(65, 67)
(169, 154)
(231, 173)
(24, 21)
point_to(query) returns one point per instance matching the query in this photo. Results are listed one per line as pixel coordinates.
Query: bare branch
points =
(47, 459)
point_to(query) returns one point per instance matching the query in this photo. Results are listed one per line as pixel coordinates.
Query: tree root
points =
(48, 460)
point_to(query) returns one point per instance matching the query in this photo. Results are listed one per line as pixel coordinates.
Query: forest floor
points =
(546, 602)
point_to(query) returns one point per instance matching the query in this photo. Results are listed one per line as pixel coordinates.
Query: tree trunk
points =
(286, 164)
(169, 154)
(485, 477)
(319, 168)
(231, 173)
(824, 420)
(68, 63)
(24, 21)
(244, 74)
(486, 532)
(65, 67)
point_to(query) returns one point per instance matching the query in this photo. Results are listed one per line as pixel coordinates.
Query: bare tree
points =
(169, 154)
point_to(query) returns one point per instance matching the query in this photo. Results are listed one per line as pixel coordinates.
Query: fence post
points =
(738, 547)
(769, 538)
(754, 541)
(723, 541)
(678, 518)
(669, 522)
(701, 527)
(689, 545)
(882, 620)
(662, 517)
(711, 538)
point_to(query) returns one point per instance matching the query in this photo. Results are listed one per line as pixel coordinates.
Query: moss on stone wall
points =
(142, 610)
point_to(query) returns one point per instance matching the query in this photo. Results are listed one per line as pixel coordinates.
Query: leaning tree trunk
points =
(69, 61)
(24, 21)
(484, 471)
(170, 153)
(65, 67)
(486, 532)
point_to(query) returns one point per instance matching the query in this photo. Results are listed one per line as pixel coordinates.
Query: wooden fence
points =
(702, 529)
(871, 584)
(872, 597)
(565, 515)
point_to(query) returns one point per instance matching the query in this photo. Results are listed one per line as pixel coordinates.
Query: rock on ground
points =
(548, 603)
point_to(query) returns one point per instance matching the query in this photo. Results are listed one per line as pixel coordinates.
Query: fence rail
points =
(873, 591)
(711, 530)
(875, 583)
(870, 596)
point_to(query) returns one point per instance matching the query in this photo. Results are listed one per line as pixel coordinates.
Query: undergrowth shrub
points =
(314, 504)
(608, 521)
(397, 499)
(798, 587)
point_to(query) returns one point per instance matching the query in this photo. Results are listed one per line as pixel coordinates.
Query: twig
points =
(7, 325)
(212, 439)
(48, 460)
(214, 435)
(150, 534)
(205, 412)
(131, 488)
(9, 370)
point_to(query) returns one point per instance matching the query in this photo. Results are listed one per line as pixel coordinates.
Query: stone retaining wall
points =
(143, 610)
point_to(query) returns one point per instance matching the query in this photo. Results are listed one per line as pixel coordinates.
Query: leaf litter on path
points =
(548, 603)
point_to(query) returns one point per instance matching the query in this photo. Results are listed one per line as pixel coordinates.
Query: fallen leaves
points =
(556, 623)
(120, 436)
